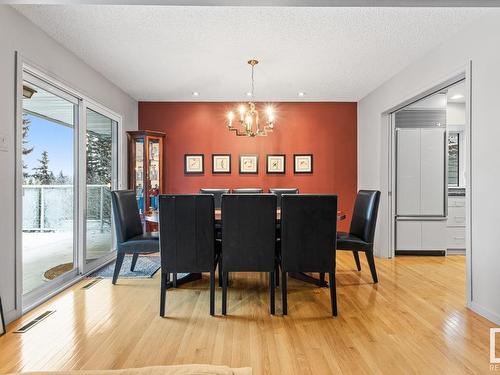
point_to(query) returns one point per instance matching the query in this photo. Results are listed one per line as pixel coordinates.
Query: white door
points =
(408, 172)
(432, 172)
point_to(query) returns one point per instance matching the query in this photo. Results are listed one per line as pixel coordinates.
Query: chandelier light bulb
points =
(230, 117)
(248, 120)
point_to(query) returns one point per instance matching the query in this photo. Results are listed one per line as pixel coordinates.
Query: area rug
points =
(146, 267)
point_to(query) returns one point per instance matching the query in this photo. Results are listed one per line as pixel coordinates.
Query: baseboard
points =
(491, 316)
(455, 252)
(11, 315)
(421, 252)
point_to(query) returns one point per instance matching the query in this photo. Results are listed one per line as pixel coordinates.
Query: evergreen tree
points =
(98, 158)
(26, 149)
(42, 174)
(62, 179)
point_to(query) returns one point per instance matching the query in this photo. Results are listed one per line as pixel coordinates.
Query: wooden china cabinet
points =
(145, 163)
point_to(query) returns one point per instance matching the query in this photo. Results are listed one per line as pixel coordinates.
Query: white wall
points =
(455, 114)
(477, 43)
(19, 34)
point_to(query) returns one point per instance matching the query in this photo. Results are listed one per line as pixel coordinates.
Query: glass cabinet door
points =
(139, 173)
(154, 173)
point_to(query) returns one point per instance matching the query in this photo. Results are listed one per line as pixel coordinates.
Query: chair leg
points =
(284, 293)
(277, 276)
(163, 293)
(134, 262)
(371, 263)
(174, 280)
(333, 293)
(272, 286)
(322, 278)
(224, 292)
(212, 293)
(118, 266)
(356, 259)
(220, 275)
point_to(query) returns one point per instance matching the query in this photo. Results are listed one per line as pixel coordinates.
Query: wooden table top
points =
(218, 214)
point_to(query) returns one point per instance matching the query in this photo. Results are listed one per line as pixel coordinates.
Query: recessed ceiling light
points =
(457, 96)
(301, 93)
(196, 93)
(249, 94)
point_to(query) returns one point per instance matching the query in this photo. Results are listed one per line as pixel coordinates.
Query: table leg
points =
(185, 279)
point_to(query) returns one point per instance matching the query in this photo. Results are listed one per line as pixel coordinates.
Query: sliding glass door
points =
(49, 242)
(68, 160)
(101, 168)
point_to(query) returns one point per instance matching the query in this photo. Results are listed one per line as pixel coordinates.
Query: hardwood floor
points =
(413, 321)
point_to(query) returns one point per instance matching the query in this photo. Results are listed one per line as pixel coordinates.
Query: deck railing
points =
(50, 207)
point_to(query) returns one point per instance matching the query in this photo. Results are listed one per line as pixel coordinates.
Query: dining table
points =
(183, 278)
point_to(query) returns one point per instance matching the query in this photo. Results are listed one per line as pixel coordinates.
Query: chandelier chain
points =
(253, 66)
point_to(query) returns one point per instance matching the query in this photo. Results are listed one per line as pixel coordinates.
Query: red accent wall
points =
(326, 130)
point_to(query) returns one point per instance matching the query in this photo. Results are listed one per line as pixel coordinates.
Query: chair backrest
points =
(247, 191)
(126, 214)
(308, 233)
(280, 191)
(217, 193)
(248, 232)
(364, 216)
(187, 238)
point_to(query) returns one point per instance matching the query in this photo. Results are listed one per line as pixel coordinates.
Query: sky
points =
(54, 138)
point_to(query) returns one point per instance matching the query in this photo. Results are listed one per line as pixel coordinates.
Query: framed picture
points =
(249, 164)
(276, 164)
(3, 329)
(194, 164)
(221, 163)
(302, 163)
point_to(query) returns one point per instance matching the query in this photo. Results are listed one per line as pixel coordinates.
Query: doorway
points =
(429, 173)
(67, 167)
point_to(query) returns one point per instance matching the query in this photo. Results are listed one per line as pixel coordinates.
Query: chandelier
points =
(248, 124)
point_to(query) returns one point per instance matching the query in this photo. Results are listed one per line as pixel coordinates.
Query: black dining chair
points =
(247, 191)
(362, 230)
(130, 235)
(308, 233)
(248, 238)
(217, 193)
(280, 191)
(187, 240)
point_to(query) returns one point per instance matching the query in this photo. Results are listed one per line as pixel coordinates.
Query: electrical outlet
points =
(3, 143)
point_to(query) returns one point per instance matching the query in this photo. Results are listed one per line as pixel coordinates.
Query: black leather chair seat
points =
(348, 241)
(147, 242)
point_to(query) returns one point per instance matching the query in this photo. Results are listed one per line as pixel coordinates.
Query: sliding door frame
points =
(24, 66)
(462, 74)
(87, 104)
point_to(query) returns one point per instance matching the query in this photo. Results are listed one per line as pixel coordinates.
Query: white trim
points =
(484, 312)
(468, 184)
(392, 184)
(18, 181)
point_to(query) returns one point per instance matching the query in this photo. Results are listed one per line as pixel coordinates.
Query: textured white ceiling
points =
(166, 53)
